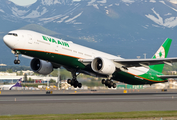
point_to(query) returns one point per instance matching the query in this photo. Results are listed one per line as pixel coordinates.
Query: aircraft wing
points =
(138, 62)
(167, 76)
(145, 62)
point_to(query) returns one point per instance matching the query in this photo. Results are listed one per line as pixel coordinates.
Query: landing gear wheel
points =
(75, 85)
(103, 81)
(109, 83)
(74, 81)
(16, 61)
(109, 86)
(114, 85)
(79, 85)
(69, 81)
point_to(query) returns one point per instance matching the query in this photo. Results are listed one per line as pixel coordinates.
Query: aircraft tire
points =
(111, 83)
(18, 61)
(15, 61)
(103, 81)
(114, 85)
(79, 85)
(107, 82)
(75, 85)
(72, 82)
(69, 81)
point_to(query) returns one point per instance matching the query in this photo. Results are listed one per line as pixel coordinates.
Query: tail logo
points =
(160, 53)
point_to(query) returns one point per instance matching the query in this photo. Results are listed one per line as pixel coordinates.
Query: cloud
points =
(173, 1)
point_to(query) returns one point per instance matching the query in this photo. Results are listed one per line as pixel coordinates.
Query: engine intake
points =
(41, 67)
(103, 66)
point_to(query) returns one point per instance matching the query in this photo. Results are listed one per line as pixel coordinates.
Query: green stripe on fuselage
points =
(55, 58)
(147, 78)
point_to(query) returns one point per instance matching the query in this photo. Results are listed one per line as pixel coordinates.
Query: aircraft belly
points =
(134, 79)
(129, 78)
(55, 58)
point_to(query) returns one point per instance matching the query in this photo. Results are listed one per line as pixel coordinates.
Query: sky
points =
(28, 2)
(23, 2)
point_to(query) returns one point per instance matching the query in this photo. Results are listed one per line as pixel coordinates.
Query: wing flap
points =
(85, 60)
(167, 76)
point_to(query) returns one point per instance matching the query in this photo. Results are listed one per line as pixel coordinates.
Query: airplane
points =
(49, 52)
(9, 87)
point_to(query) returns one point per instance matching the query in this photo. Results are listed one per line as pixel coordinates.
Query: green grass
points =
(114, 115)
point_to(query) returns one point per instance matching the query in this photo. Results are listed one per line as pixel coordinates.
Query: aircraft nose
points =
(5, 38)
(8, 41)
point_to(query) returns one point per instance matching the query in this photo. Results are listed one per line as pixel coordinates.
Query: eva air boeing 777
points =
(50, 52)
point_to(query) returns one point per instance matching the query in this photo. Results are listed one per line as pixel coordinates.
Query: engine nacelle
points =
(41, 67)
(103, 66)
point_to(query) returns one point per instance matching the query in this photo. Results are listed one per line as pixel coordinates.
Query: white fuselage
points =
(6, 87)
(30, 40)
(33, 41)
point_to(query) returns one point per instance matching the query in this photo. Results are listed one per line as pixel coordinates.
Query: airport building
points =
(12, 77)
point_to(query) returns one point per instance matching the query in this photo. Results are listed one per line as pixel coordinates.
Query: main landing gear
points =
(74, 81)
(17, 61)
(108, 83)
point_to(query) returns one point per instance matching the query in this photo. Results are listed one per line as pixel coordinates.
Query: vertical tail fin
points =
(162, 52)
(18, 84)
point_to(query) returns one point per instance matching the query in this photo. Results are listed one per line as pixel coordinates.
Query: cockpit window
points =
(14, 34)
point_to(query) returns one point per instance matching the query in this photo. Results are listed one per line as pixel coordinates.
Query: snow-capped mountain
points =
(67, 11)
(161, 12)
(113, 26)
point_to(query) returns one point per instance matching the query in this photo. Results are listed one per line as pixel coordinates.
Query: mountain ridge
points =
(116, 26)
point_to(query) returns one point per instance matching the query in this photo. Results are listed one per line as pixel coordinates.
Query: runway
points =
(71, 102)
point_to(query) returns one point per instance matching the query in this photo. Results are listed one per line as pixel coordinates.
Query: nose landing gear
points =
(17, 61)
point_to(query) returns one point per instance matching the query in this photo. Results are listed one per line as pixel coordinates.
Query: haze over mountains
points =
(128, 28)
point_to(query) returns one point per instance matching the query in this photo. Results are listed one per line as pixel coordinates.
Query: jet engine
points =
(103, 66)
(41, 67)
